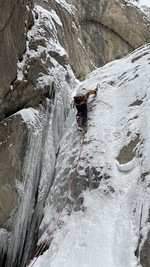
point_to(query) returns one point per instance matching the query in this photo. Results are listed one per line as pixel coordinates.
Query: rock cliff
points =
(15, 21)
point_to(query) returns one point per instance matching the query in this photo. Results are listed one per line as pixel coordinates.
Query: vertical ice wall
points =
(39, 169)
(23, 220)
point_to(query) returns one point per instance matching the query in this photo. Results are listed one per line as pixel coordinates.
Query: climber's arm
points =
(94, 91)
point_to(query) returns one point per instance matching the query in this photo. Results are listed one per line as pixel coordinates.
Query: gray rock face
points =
(109, 29)
(13, 142)
(15, 20)
(144, 253)
(96, 33)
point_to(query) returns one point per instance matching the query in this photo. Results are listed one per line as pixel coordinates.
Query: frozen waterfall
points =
(46, 126)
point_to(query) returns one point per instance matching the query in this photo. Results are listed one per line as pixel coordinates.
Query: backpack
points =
(78, 99)
(81, 96)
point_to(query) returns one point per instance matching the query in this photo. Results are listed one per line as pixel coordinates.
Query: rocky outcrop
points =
(13, 144)
(94, 34)
(144, 253)
(109, 29)
(15, 20)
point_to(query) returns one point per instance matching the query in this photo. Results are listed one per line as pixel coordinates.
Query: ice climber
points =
(80, 101)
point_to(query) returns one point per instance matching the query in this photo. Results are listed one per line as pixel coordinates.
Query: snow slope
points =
(144, 5)
(141, 3)
(105, 232)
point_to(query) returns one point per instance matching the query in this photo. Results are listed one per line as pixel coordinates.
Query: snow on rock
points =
(29, 115)
(66, 6)
(144, 5)
(141, 3)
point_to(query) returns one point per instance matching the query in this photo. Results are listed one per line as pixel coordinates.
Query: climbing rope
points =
(56, 221)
